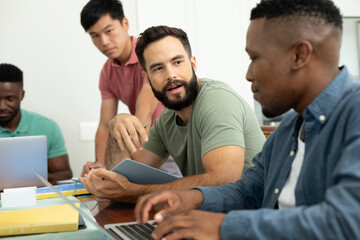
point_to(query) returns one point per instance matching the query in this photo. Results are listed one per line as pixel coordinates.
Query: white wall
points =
(348, 7)
(61, 66)
(350, 49)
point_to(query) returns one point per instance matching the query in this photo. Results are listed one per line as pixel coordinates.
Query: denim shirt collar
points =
(322, 106)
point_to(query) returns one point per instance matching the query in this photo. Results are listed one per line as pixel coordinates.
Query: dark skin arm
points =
(59, 169)
(176, 216)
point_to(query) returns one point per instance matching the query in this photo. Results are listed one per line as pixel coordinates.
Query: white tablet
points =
(142, 174)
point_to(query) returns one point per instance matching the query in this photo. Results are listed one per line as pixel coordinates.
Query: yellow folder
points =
(57, 218)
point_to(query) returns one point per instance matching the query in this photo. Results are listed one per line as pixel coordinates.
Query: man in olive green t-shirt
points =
(207, 128)
(219, 117)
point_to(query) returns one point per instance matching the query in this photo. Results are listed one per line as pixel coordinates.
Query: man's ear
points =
(22, 95)
(125, 24)
(302, 54)
(193, 63)
(144, 74)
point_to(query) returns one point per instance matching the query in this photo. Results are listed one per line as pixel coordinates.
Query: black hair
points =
(10, 73)
(95, 9)
(318, 9)
(154, 34)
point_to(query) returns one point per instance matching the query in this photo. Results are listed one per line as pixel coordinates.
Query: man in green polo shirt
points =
(16, 122)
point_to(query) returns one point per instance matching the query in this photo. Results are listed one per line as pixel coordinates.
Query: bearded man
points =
(209, 130)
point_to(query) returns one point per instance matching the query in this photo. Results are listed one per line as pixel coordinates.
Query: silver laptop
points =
(18, 157)
(122, 231)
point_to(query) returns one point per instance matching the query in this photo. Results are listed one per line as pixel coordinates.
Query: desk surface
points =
(106, 211)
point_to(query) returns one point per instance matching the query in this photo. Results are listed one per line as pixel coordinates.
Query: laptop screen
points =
(18, 157)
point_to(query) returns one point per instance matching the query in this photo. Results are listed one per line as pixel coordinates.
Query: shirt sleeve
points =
(156, 144)
(246, 193)
(56, 142)
(104, 87)
(220, 120)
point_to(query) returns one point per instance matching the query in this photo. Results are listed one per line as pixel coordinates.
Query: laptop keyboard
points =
(133, 231)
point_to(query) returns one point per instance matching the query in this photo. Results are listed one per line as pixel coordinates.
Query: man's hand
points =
(108, 184)
(90, 165)
(191, 224)
(128, 131)
(167, 203)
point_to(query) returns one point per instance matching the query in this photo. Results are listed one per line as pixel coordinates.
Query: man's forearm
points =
(101, 143)
(184, 183)
(113, 154)
(60, 175)
(146, 104)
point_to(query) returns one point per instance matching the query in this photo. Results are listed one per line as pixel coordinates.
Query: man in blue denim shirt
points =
(306, 181)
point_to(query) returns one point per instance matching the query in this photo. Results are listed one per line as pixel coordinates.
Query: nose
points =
(171, 75)
(249, 74)
(104, 40)
(2, 104)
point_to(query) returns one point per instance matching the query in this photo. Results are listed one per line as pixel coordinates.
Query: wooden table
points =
(106, 211)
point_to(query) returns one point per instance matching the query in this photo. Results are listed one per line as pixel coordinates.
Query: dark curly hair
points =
(10, 73)
(314, 9)
(95, 9)
(154, 34)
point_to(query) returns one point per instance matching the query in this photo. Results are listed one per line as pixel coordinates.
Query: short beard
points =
(191, 89)
(11, 118)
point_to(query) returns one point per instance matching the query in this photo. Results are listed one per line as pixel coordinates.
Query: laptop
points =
(131, 230)
(18, 157)
(122, 231)
(141, 173)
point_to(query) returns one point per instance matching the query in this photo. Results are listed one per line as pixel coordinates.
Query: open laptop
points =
(122, 231)
(18, 157)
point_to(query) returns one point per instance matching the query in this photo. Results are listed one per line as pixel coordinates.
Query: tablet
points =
(142, 174)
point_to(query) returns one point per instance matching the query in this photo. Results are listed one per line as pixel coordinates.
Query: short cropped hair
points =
(154, 34)
(316, 9)
(95, 9)
(10, 73)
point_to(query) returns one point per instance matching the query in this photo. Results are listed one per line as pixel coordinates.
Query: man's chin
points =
(175, 97)
(112, 56)
(4, 122)
(269, 114)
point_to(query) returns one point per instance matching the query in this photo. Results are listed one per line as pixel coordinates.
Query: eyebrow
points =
(249, 51)
(106, 27)
(172, 59)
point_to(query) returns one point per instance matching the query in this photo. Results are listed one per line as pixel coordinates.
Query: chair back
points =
(267, 129)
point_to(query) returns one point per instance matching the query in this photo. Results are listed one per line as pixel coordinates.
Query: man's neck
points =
(185, 113)
(315, 86)
(125, 56)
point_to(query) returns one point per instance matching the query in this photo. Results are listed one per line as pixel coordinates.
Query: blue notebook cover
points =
(66, 189)
(142, 174)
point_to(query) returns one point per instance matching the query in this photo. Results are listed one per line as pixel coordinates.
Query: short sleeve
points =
(221, 120)
(56, 142)
(104, 86)
(156, 144)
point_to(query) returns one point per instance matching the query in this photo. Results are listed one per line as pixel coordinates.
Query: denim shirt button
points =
(292, 153)
(276, 191)
(322, 118)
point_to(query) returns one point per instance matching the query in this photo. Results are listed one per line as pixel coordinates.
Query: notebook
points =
(142, 174)
(18, 157)
(123, 231)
